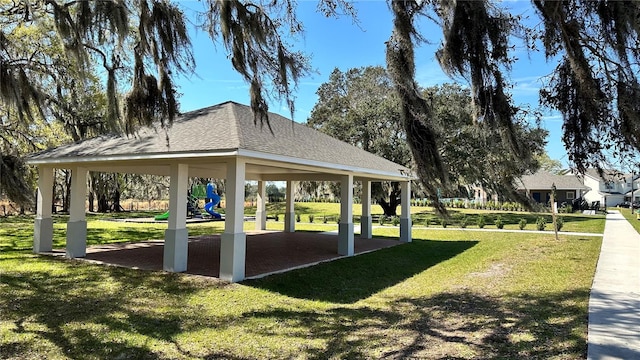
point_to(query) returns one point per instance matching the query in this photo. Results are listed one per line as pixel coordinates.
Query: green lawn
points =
(632, 218)
(448, 294)
(425, 216)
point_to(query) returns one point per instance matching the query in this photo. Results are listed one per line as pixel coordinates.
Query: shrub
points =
(559, 223)
(463, 222)
(481, 222)
(298, 218)
(395, 221)
(499, 223)
(522, 224)
(541, 222)
(311, 218)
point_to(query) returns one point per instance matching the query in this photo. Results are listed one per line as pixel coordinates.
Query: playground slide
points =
(215, 199)
(164, 216)
(208, 207)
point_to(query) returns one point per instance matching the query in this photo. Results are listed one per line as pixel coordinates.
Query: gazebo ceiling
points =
(207, 138)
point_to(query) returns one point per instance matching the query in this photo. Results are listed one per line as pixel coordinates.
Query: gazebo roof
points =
(208, 136)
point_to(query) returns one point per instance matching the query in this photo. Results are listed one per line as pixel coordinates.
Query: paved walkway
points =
(614, 304)
(267, 252)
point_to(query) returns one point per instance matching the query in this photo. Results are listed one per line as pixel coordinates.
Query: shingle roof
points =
(608, 175)
(226, 127)
(543, 180)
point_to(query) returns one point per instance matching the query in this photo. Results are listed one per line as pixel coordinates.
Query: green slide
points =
(164, 216)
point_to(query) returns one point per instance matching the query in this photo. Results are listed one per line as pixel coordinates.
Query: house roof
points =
(543, 180)
(227, 129)
(635, 192)
(607, 175)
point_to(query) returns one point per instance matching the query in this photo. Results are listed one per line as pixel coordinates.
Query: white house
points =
(612, 188)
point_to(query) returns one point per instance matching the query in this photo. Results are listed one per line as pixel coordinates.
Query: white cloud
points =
(555, 118)
(527, 87)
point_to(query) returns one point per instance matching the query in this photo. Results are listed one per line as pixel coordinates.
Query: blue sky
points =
(338, 42)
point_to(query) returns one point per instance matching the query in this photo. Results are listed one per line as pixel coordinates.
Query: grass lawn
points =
(633, 220)
(448, 294)
(425, 216)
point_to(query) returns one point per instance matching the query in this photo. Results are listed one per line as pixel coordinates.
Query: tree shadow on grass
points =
(455, 324)
(66, 311)
(349, 280)
(79, 311)
(449, 325)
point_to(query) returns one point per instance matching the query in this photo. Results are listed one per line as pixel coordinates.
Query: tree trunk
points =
(53, 197)
(390, 207)
(66, 201)
(103, 204)
(91, 199)
(115, 205)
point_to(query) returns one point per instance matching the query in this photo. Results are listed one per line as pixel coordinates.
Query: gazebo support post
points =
(176, 236)
(290, 212)
(405, 216)
(345, 228)
(261, 214)
(365, 218)
(77, 224)
(43, 225)
(233, 242)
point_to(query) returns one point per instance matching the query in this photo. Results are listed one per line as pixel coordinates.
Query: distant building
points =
(612, 188)
(538, 186)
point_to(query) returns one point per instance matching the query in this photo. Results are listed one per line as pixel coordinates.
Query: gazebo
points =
(221, 142)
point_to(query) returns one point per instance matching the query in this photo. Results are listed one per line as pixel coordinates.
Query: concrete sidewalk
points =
(614, 304)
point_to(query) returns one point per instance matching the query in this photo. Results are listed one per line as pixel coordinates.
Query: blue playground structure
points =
(214, 200)
(196, 193)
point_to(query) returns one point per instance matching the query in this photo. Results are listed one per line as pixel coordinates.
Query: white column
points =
(290, 213)
(261, 214)
(43, 225)
(365, 219)
(234, 241)
(77, 225)
(176, 237)
(345, 228)
(405, 216)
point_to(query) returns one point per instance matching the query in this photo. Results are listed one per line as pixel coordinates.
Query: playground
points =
(194, 195)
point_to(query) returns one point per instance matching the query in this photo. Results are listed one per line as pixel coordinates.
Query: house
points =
(612, 188)
(539, 186)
